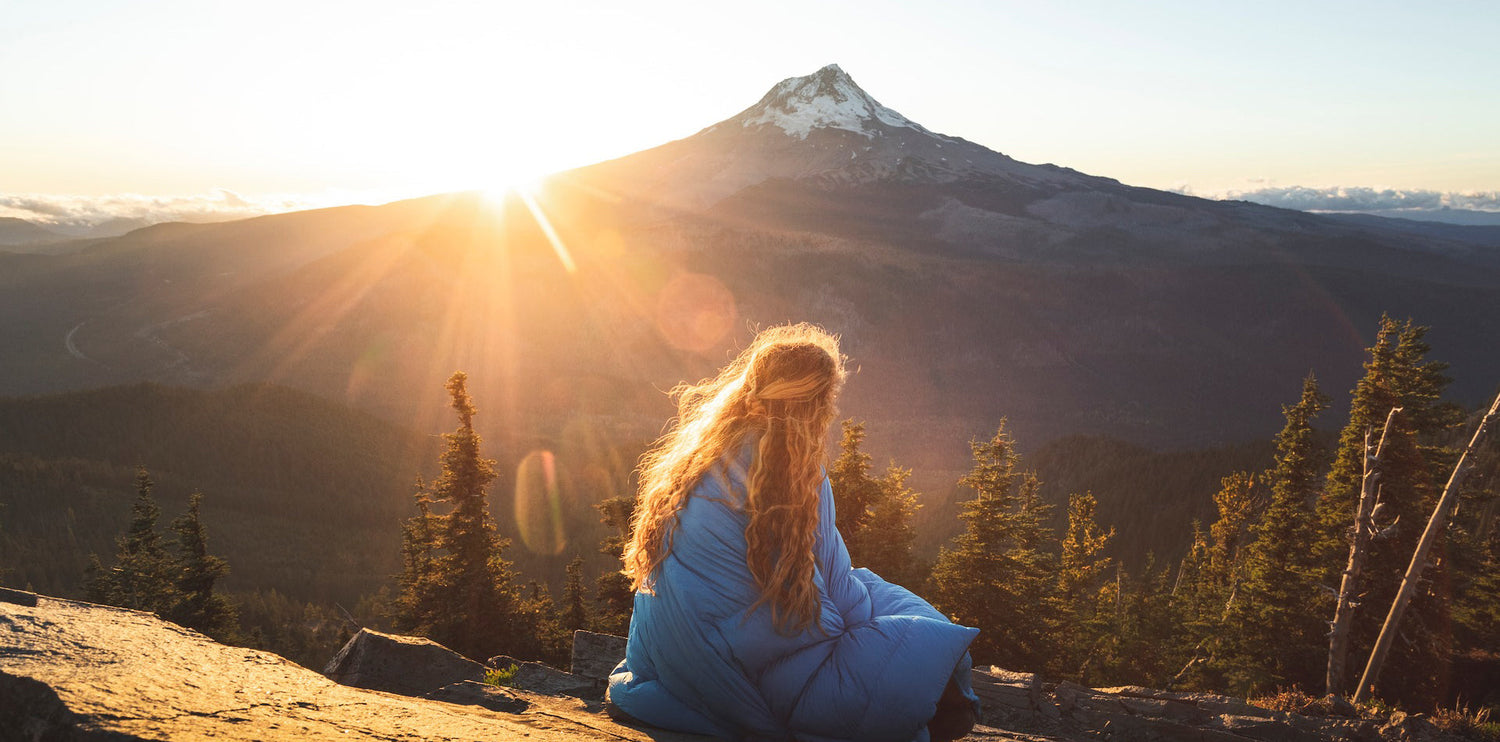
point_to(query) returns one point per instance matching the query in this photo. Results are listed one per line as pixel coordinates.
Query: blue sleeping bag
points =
(698, 660)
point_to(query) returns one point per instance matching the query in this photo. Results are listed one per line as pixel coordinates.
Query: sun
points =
(525, 186)
(525, 191)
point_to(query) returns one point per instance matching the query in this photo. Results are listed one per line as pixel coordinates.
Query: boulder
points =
(596, 655)
(539, 678)
(471, 693)
(408, 665)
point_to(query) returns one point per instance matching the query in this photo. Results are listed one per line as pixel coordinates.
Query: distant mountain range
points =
(968, 287)
(14, 232)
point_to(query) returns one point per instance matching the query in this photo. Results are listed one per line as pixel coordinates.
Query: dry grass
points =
(1476, 725)
(1294, 701)
(1479, 725)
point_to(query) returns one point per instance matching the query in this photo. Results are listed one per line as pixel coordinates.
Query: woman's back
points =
(706, 655)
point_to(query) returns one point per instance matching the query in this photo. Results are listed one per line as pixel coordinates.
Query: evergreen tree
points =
(1374, 396)
(197, 605)
(1476, 609)
(1192, 594)
(1207, 585)
(1278, 627)
(1141, 645)
(141, 577)
(1396, 375)
(855, 492)
(1475, 557)
(575, 614)
(418, 580)
(1237, 503)
(470, 603)
(551, 643)
(613, 598)
(992, 576)
(885, 539)
(1080, 575)
(1083, 563)
(1034, 535)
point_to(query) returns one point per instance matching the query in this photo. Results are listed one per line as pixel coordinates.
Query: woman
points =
(749, 621)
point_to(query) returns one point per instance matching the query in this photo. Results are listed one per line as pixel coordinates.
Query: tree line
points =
(176, 583)
(1246, 610)
(457, 587)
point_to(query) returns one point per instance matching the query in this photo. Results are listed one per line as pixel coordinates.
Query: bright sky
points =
(332, 99)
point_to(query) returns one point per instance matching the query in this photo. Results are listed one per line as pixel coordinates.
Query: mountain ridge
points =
(1070, 303)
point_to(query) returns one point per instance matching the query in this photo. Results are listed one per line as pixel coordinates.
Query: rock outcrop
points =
(71, 670)
(408, 665)
(1022, 703)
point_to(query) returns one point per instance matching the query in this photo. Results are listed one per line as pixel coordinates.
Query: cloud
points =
(94, 215)
(1359, 198)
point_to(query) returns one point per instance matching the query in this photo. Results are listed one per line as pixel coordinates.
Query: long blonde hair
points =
(781, 387)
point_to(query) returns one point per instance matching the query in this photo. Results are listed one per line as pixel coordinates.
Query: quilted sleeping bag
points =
(698, 660)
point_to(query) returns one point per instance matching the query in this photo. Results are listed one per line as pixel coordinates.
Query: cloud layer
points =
(1358, 198)
(99, 215)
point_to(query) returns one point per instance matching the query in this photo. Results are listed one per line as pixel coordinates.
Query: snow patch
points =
(826, 99)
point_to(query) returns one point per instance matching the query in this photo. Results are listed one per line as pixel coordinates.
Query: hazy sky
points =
(337, 100)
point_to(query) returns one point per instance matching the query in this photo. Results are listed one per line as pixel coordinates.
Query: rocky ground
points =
(71, 670)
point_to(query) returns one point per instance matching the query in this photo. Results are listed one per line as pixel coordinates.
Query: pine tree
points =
(1396, 375)
(992, 576)
(551, 643)
(1277, 629)
(470, 603)
(1373, 398)
(1083, 564)
(854, 490)
(418, 580)
(613, 598)
(1034, 535)
(141, 577)
(886, 537)
(1238, 503)
(1208, 584)
(575, 613)
(197, 605)
(1141, 645)
(1080, 577)
(1475, 558)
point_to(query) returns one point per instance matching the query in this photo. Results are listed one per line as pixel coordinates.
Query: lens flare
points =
(603, 471)
(366, 368)
(563, 255)
(695, 311)
(539, 506)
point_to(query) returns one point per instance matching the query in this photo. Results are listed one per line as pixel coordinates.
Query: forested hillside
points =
(1150, 497)
(1218, 569)
(300, 494)
(1092, 559)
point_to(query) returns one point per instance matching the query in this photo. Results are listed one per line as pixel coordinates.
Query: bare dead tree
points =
(1435, 526)
(1364, 528)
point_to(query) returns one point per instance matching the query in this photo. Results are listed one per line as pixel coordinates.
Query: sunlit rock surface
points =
(71, 670)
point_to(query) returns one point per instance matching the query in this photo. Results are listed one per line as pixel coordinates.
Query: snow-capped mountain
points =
(821, 127)
(826, 99)
(968, 285)
(820, 152)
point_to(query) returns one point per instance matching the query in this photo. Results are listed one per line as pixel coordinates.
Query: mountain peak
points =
(826, 99)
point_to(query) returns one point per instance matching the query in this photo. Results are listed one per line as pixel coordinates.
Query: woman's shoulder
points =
(725, 480)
